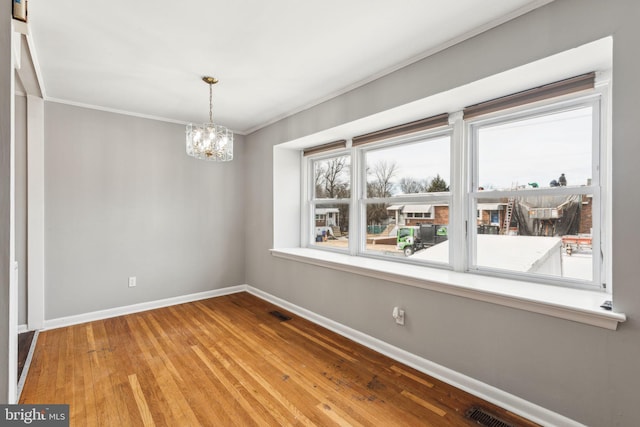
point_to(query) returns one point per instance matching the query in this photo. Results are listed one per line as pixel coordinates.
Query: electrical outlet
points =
(398, 314)
(132, 282)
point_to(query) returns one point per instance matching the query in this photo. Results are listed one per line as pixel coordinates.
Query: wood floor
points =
(227, 362)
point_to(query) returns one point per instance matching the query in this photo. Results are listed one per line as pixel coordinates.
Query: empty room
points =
(319, 213)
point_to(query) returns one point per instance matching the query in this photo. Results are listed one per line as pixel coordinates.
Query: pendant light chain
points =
(210, 102)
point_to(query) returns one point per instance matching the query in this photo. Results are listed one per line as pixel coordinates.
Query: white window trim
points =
(309, 203)
(578, 305)
(462, 201)
(596, 99)
(427, 198)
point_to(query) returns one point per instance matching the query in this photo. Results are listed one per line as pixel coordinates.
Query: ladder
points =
(509, 211)
(507, 215)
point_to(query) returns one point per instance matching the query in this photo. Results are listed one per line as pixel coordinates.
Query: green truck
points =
(414, 238)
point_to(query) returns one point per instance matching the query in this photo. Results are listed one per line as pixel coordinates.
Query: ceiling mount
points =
(209, 80)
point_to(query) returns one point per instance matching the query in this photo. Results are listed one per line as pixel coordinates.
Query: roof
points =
(411, 208)
(491, 206)
(514, 253)
(322, 211)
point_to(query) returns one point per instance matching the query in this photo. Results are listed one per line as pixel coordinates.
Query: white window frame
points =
(311, 202)
(462, 202)
(599, 170)
(420, 198)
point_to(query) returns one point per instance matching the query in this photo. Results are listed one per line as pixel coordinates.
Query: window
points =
(542, 166)
(331, 194)
(495, 218)
(405, 180)
(511, 187)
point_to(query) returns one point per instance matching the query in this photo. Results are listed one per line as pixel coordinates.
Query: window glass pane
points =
(331, 228)
(416, 167)
(394, 230)
(332, 178)
(546, 151)
(548, 235)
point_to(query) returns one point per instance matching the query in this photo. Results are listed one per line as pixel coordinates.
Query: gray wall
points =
(586, 373)
(123, 199)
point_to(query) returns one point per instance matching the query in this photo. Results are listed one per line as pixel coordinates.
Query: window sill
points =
(577, 305)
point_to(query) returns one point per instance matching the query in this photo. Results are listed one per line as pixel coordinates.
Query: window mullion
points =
(457, 235)
(598, 179)
(354, 204)
(308, 208)
(471, 166)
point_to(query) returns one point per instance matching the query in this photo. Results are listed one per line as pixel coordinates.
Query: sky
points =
(420, 160)
(528, 151)
(537, 150)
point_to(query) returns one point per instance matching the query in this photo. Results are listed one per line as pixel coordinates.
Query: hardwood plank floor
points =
(227, 362)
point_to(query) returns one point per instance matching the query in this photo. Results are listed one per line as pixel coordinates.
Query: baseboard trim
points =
(136, 308)
(482, 390)
(23, 328)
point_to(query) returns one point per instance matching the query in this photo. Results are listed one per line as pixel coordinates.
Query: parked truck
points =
(414, 238)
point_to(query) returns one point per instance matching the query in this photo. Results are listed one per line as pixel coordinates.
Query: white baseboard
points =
(484, 391)
(23, 328)
(136, 308)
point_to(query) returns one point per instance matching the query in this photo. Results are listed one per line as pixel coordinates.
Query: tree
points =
(331, 178)
(319, 179)
(334, 183)
(411, 185)
(380, 186)
(437, 185)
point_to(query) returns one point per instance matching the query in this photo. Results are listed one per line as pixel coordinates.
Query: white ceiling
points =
(273, 58)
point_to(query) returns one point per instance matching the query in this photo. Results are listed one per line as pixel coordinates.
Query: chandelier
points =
(210, 141)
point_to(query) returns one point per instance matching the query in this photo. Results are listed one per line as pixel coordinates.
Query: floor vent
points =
(484, 418)
(282, 317)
